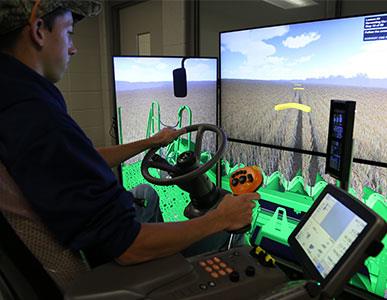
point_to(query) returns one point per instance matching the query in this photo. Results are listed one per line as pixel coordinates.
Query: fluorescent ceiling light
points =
(288, 4)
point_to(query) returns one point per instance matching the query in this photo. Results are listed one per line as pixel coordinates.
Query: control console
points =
(233, 274)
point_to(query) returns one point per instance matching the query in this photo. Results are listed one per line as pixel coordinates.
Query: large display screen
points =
(145, 96)
(277, 83)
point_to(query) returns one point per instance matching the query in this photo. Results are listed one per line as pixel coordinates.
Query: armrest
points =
(115, 282)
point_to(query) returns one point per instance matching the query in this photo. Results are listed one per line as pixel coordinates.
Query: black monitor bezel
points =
(382, 164)
(115, 116)
(356, 207)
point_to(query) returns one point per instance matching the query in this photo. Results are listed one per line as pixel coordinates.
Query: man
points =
(65, 180)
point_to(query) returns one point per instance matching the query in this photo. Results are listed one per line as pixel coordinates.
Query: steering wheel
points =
(153, 160)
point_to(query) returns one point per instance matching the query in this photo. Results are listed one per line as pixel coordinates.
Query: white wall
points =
(174, 24)
(145, 17)
(163, 19)
(359, 7)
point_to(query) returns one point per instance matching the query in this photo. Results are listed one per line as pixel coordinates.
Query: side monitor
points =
(180, 83)
(339, 146)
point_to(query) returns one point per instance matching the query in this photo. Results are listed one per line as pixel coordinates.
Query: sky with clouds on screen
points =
(313, 50)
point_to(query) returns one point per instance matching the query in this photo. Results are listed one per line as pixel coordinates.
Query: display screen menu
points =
(329, 233)
(336, 149)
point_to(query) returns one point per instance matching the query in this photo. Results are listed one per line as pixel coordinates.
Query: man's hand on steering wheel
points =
(153, 160)
(166, 136)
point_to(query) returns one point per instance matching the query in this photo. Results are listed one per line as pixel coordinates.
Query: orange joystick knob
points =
(246, 180)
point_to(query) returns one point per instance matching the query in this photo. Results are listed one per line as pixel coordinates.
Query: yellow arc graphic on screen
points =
(288, 105)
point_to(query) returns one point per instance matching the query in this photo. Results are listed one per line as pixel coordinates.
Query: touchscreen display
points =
(328, 234)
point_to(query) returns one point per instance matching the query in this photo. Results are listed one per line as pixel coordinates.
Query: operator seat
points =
(63, 265)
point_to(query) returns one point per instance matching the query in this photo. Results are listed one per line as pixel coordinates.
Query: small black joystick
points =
(234, 276)
(250, 271)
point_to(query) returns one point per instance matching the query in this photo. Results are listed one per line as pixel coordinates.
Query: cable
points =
(230, 241)
(165, 125)
(113, 128)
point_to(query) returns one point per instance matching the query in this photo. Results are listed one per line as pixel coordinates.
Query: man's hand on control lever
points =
(237, 211)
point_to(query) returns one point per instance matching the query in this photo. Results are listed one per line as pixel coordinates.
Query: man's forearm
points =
(114, 155)
(163, 239)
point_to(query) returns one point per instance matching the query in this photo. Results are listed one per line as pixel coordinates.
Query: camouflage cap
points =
(15, 14)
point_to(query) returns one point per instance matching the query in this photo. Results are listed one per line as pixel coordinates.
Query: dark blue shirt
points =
(67, 183)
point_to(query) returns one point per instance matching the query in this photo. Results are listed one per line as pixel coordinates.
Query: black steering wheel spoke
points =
(199, 142)
(160, 163)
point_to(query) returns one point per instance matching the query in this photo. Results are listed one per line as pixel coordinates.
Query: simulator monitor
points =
(340, 142)
(335, 237)
(145, 84)
(145, 102)
(277, 83)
